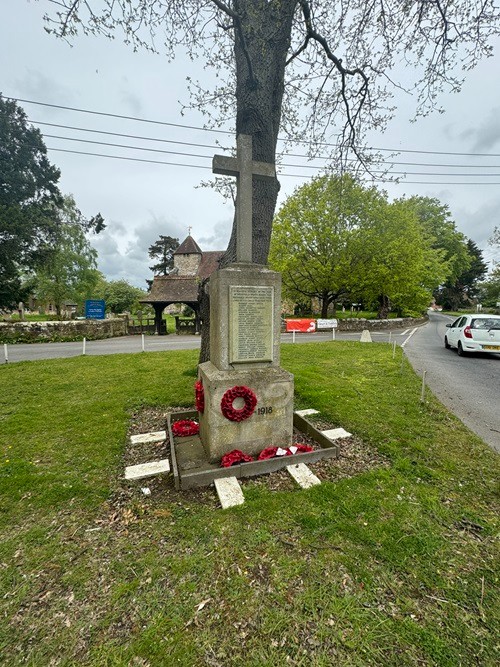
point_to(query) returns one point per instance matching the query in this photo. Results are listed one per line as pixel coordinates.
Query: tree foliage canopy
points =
(489, 290)
(29, 195)
(120, 296)
(36, 222)
(163, 250)
(334, 238)
(69, 273)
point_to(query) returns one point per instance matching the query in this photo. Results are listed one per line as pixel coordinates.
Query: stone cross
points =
(244, 168)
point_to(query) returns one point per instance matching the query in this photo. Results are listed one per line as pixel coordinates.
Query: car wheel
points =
(446, 344)
(460, 350)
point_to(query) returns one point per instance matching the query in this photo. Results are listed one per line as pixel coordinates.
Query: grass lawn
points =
(397, 566)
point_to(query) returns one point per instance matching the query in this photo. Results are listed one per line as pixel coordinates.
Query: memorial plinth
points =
(245, 302)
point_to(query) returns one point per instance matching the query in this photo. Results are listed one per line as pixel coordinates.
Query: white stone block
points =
(302, 475)
(365, 336)
(305, 413)
(147, 469)
(155, 436)
(229, 492)
(336, 433)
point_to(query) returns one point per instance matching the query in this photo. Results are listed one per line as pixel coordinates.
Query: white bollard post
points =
(394, 350)
(422, 395)
(84, 345)
(333, 333)
(142, 336)
(6, 353)
(293, 336)
(390, 336)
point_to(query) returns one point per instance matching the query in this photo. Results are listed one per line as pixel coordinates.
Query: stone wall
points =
(360, 323)
(39, 332)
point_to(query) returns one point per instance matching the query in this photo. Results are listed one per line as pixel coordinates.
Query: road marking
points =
(404, 332)
(404, 343)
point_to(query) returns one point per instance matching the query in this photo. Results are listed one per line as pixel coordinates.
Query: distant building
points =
(191, 266)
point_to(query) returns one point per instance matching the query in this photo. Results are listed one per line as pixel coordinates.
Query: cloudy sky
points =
(141, 200)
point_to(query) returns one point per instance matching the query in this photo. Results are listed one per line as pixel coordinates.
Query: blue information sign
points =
(95, 309)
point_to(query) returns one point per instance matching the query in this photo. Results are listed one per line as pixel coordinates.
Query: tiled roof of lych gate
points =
(188, 247)
(209, 263)
(175, 289)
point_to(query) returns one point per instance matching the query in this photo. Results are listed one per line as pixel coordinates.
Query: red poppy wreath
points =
(234, 457)
(199, 396)
(185, 427)
(238, 414)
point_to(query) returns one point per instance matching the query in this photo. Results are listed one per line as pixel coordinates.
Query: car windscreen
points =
(485, 323)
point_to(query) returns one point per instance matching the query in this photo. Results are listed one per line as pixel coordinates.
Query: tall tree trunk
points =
(384, 307)
(259, 91)
(325, 302)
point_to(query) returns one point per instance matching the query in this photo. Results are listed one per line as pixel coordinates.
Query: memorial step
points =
(147, 469)
(303, 476)
(142, 438)
(229, 492)
(306, 413)
(336, 433)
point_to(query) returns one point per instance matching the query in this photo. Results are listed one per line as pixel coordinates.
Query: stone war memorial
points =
(244, 399)
(248, 397)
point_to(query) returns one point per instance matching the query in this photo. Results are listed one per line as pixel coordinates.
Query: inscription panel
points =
(251, 311)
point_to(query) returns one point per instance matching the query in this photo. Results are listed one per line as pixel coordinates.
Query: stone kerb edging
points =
(32, 332)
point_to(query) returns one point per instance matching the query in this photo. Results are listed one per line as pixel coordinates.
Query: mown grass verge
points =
(392, 567)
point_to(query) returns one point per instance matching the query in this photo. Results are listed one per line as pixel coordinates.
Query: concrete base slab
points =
(147, 469)
(191, 467)
(303, 476)
(154, 436)
(306, 413)
(229, 492)
(336, 433)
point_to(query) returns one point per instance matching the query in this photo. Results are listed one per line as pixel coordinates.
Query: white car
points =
(474, 333)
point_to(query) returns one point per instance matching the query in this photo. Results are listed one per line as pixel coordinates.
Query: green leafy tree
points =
(69, 272)
(334, 238)
(441, 230)
(398, 267)
(163, 250)
(120, 296)
(489, 290)
(463, 290)
(29, 196)
(312, 241)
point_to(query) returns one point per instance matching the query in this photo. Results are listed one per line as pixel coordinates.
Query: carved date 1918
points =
(264, 411)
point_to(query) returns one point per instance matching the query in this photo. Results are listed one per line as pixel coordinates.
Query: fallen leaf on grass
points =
(200, 606)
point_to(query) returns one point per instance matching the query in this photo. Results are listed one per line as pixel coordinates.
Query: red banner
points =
(304, 325)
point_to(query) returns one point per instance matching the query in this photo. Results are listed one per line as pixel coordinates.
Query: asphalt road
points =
(469, 386)
(131, 344)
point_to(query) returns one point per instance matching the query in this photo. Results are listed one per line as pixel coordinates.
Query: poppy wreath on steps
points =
(235, 457)
(238, 414)
(185, 427)
(199, 396)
